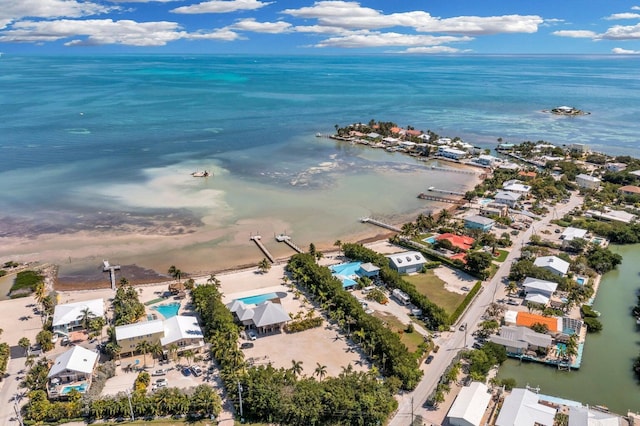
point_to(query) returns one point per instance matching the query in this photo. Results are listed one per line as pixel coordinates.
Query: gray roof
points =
(369, 267)
(269, 313)
(480, 220)
(525, 334)
(552, 262)
(537, 298)
(539, 285)
(499, 340)
(521, 408)
(507, 195)
(583, 416)
(235, 305)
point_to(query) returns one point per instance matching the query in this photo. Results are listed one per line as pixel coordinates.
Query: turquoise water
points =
(580, 280)
(169, 310)
(485, 201)
(346, 269)
(430, 240)
(254, 300)
(605, 376)
(80, 388)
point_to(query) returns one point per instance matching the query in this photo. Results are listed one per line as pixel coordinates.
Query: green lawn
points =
(433, 287)
(502, 256)
(410, 340)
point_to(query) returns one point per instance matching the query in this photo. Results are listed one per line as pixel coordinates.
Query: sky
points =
(306, 27)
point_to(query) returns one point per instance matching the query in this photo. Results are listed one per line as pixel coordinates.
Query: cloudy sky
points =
(321, 27)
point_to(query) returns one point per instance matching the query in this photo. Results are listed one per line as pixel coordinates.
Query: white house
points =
(522, 408)
(452, 153)
(615, 167)
(635, 172)
(571, 233)
(72, 369)
(583, 416)
(538, 291)
(587, 181)
(67, 317)
(516, 186)
(470, 404)
(507, 197)
(553, 264)
(407, 262)
(579, 147)
(265, 317)
(614, 215)
(487, 160)
(184, 331)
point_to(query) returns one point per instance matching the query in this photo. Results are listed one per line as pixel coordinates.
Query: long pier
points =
(445, 191)
(450, 169)
(106, 267)
(282, 238)
(256, 239)
(424, 196)
(380, 224)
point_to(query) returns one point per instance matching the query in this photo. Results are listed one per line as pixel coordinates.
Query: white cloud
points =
(13, 10)
(96, 31)
(628, 15)
(223, 34)
(320, 29)
(261, 27)
(431, 50)
(575, 33)
(635, 7)
(621, 51)
(221, 6)
(620, 32)
(387, 39)
(352, 15)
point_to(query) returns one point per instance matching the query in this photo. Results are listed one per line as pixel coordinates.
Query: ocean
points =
(97, 151)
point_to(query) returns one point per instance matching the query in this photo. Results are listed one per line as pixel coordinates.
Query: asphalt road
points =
(452, 342)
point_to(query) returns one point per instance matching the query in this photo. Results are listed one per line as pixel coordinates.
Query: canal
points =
(606, 376)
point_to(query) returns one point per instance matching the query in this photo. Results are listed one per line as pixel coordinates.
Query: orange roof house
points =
(527, 319)
(459, 241)
(629, 190)
(397, 130)
(527, 174)
(414, 132)
(462, 257)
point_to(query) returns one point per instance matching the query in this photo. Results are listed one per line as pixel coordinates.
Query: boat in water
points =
(203, 173)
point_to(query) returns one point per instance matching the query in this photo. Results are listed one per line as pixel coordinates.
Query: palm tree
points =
(40, 292)
(85, 317)
(173, 349)
(338, 244)
(443, 217)
(320, 371)
(512, 288)
(175, 272)
(155, 350)
(213, 280)
(296, 367)
(24, 343)
(264, 265)
(123, 282)
(188, 354)
(144, 347)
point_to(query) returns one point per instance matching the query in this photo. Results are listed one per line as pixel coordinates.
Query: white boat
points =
(202, 173)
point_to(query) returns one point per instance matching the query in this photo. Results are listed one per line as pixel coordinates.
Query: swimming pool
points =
(485, 201)
(581, 280)
(430, 240)
(80, 388)
(257, 299)
(169, 310)
(346, 269)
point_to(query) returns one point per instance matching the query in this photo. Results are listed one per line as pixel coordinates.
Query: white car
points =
(161, 383)
(160, 372)
(252, 335)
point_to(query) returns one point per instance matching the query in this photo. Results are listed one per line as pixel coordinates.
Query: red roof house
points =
(459, 241)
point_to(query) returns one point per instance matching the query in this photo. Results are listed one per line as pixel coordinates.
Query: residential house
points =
(553, 264)
(506, 165)
(368, 270)
(613, 215)
(129, 336)
(264, 317)
(479, 222)
(579, 147)
(538, 291)
(487, 160)
(407, 262)
(67, 317)
(585, 416)
(528, 319)
(519, 340)
(508, 198)
(587, 181)
(494, 209)
(570, 234)
(184, 331)
(527, 174)
(615, 167)
(72, 369)
(629, 190)
(516, 186)
(452, 153)
(635, 173)
(522, 408)
(461, 242)
(470, 405)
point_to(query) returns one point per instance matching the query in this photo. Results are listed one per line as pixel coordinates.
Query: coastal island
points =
(508, 269)
(566, 110)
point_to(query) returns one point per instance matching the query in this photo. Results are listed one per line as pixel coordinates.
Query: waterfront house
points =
(454, 154)
(487, 160)
(68, 317)
(579, 147)
(505, 147)
(615, 167)
(506, 197)
(522, 408)
(635, 173)
(264, 317)
(470, 405)
(479, 222)
(570, 234)
(184, 331)
(368, 270)
(506, 165)
(518, 340)
(494, 209)
(629, 190)
(71, 370)
(587, 181)
(461, 242)
(527, 174)
(612, 215)
(516, 186)
(407, 262)
(538, 291)
(553, 264)
(585, 416)
(130, 335)
(528, 319)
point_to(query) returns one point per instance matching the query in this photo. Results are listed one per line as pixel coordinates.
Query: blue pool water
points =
(484, 201)
(430, 240)
(80, 388)
(580, 280)
(346, 269)
(254, 300)
(169, 310)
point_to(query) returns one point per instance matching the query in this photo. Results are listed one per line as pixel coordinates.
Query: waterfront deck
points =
(256, 239)
(445, 191)
(380, 224)
(282, 238)
(424, 196)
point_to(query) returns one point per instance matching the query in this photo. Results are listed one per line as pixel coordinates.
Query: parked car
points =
(161, 383)
(429, 359)
(197, 371)
(64, 341)
(465, 288)
(252, 335)
(186, 371)
(246, 345)
(512, 302)
(160, 372)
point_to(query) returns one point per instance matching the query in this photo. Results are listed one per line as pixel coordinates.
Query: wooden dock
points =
(282, 238)
(256, 239)
(380, 224)
(424, 196)
(445, 191)
(451, 169)
(111, 269)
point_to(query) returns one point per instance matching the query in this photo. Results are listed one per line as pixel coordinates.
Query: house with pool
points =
(553, 264)
(182, 330)
(71, 370)
(268, 316)
(68, 317)
(479, 222)
(348, 273)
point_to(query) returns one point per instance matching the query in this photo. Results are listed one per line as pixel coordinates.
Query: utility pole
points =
(130, 405)
(240, 395)
(412, 414)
